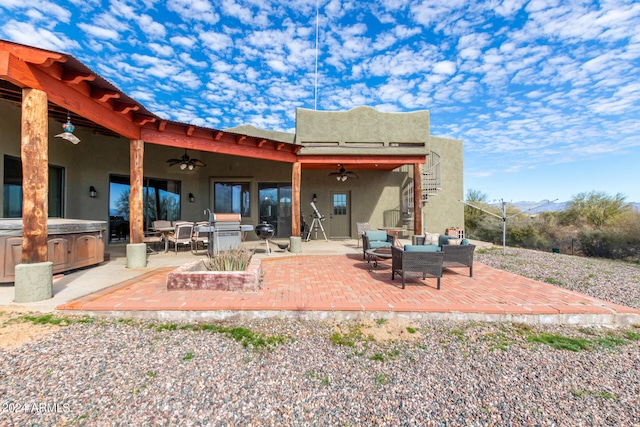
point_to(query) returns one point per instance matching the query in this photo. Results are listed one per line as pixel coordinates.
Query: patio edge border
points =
(582, 319)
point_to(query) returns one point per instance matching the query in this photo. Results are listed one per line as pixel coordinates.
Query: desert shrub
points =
(232, 260)
(608, 243)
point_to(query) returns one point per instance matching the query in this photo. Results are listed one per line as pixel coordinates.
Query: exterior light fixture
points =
(92, 192)
(68, 132)
(191, 198)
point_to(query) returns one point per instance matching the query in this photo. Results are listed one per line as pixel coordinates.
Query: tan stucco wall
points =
(444, 209)
(361, 124)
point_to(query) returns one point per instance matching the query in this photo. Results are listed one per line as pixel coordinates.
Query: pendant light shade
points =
(68, 129)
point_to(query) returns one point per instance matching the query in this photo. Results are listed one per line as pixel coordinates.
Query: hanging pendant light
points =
(68, 132)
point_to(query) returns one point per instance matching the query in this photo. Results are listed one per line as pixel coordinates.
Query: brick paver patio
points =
(343, 283)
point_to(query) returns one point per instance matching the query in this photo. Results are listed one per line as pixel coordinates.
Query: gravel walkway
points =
(390, 373)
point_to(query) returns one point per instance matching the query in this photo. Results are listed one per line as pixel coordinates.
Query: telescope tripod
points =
(314, 226)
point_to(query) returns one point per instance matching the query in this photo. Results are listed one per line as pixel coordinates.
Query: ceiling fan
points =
(185, 162)
(343, 174)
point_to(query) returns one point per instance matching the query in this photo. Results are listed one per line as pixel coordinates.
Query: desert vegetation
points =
(594, 224)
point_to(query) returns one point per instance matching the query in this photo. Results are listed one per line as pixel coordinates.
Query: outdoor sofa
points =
(412, 262)
(457, 252)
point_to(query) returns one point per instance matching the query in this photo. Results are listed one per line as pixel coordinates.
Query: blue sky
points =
(544, 94)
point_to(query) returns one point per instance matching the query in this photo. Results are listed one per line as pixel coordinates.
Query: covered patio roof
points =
(95, 103)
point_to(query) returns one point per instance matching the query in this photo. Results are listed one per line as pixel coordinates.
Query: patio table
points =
(164, 231)
(378, 254)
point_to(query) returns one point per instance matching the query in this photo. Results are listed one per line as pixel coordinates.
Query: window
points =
(161, 200)
(339, 204)
(231, 197)
(12, 207)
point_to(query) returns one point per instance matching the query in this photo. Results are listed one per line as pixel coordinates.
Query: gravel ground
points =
(102, 372)
(613, 281)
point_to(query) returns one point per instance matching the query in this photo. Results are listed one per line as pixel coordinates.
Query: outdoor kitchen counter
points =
(72, 243)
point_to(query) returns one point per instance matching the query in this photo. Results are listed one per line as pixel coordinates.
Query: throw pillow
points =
(431, 238)
(457, 242)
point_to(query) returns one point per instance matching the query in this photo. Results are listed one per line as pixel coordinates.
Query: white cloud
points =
(33, 36)
(215, 41)
(444, 67)
(186, 42)
(194, 10)
(99, 32)
(150, 27)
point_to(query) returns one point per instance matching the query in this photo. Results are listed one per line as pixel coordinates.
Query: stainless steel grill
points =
(224, 230)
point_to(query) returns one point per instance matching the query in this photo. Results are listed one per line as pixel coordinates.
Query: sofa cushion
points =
(374, 235)
(456, 242)
(378, 244)
(421, 248)
(443, 239)
(431, 239)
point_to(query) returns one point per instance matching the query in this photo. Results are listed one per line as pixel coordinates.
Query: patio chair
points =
(416, 264)
(183, 235)
(199, 237)
(153, 236)
(459, 256)
(374, 239)
(362, 227)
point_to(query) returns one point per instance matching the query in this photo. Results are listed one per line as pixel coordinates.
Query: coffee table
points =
(378, 254)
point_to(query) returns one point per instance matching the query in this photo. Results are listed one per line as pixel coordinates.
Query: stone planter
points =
(195, 276)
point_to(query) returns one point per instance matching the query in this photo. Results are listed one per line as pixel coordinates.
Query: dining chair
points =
(199, 237)
(182, 235)
(362, 227)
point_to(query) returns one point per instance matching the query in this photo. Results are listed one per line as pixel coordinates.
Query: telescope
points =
(315, 213)
(317, 218)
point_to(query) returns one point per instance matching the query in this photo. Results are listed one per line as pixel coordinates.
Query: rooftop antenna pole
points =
(315, 101)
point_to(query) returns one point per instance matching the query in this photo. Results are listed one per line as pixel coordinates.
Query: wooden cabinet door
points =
(58, 248)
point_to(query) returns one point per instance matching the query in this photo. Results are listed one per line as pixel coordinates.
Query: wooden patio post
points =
(34, 150)
(417, 199)
(136, 218)
(295, 241)
(296, 173)
(34, 275)
(136, 249)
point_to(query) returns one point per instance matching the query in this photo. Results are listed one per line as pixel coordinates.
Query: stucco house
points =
(119, 173)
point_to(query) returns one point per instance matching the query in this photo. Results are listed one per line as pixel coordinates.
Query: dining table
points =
(164, 232)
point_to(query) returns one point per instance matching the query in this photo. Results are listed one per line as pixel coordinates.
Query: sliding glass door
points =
(12, 205)
(275, 206)
(161, 200)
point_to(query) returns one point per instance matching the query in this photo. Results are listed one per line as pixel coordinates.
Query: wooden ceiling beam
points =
(197, 142)
(74, 98)
(75, 77)
(124, 108)
(103, 95)
(29, 54)
(141, 120)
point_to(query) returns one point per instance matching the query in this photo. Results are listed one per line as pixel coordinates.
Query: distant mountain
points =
(537, 207)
